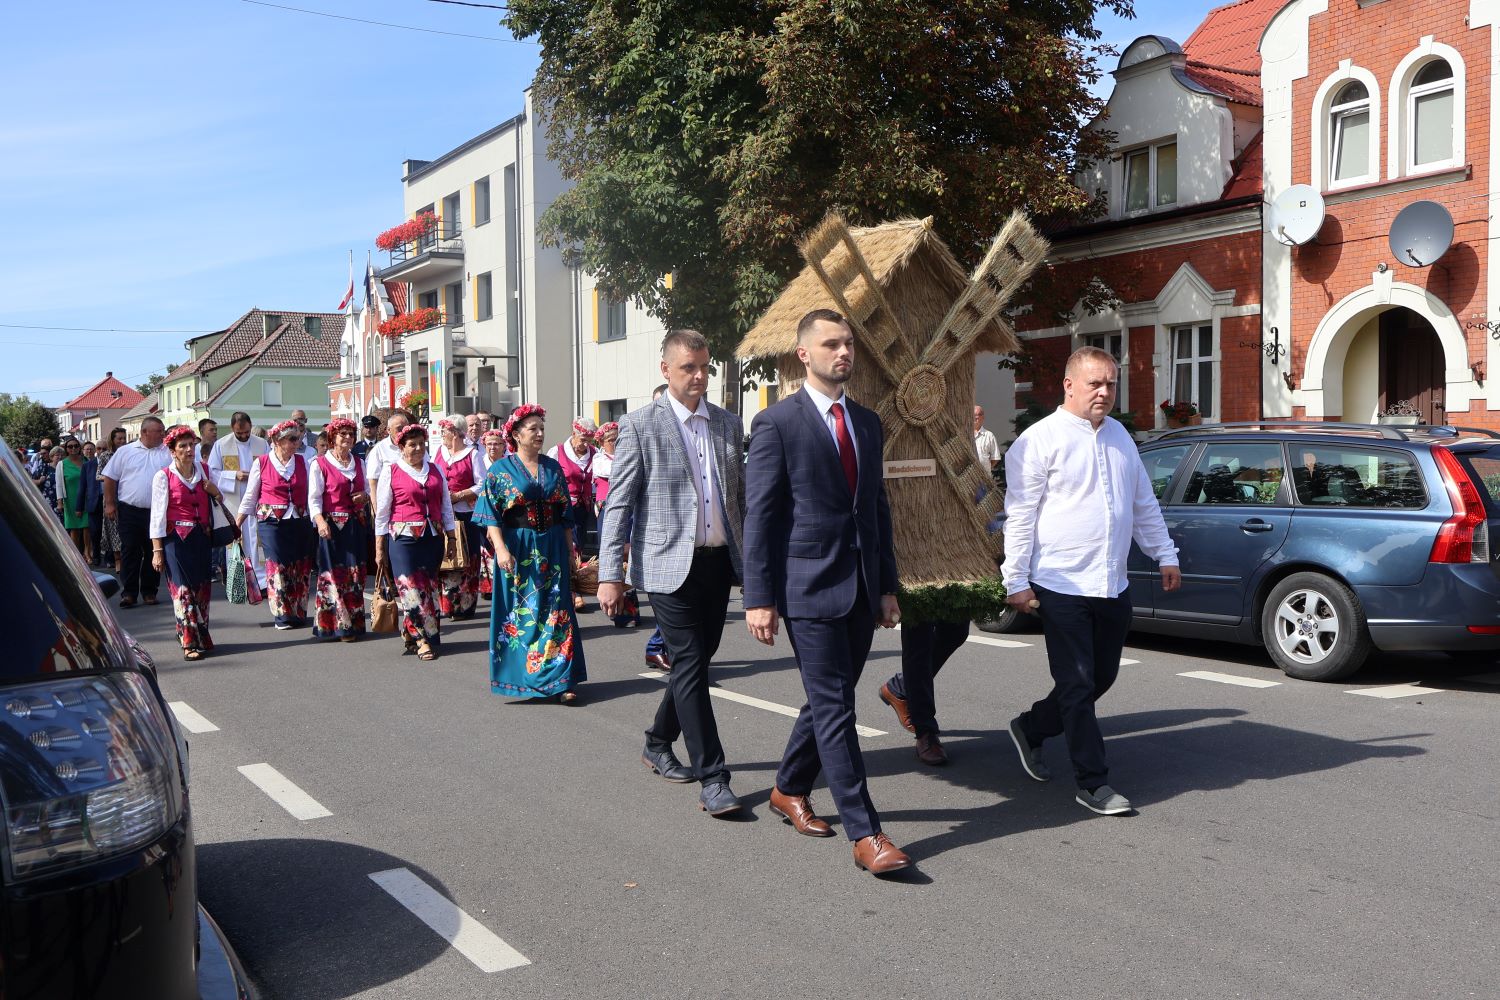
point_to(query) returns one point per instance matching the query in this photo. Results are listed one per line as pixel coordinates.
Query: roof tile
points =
(101, 396)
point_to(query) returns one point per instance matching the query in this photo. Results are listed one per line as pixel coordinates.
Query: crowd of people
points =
(674, 504)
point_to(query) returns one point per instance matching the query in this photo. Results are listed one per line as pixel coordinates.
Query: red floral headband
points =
(411, 430)
(339, 425)
(519, 414)
(178, 433)
(585, 427)
(445, 424)
(494, 432)
(606, 428)
(286, 428)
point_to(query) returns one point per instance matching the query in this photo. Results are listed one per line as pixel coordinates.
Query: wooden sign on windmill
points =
(919, 321)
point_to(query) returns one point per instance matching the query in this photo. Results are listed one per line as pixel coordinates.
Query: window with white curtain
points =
(1194, 367)
(1349, 131)
(1151, 177)
(1429, 110)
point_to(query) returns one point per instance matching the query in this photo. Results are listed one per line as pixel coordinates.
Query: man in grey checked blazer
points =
(677, 498)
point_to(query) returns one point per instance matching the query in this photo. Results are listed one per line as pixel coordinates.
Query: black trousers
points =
(1085, 636)
(137, 578)
(924, 650)
(691, 620)
(831, 656)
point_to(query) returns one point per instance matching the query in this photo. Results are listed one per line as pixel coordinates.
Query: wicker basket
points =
(586, 578)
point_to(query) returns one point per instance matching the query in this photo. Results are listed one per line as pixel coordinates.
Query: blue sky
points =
(168, 165)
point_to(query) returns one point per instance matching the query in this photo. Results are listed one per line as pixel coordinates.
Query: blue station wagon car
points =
(1324, 541)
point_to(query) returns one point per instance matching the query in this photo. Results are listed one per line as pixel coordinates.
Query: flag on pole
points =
(348, 298)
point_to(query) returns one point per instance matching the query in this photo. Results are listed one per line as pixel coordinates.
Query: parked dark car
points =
(98, 889)
(1323, 541)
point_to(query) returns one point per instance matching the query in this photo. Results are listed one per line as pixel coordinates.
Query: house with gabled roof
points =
(102, 404)
(131, 421)
(266, 363)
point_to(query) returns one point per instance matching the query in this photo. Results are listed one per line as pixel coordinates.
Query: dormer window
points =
(1430, 110)
(1349, 127)
(1151, 177)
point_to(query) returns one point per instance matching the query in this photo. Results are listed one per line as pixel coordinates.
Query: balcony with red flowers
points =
(422, 249)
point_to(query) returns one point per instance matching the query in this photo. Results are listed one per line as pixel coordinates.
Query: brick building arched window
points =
(1346, 129)
(1427, 111)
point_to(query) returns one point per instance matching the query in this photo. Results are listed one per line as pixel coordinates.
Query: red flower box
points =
(408, 232)
(412, 322)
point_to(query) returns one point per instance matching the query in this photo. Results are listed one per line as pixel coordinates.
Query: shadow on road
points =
(306, 920)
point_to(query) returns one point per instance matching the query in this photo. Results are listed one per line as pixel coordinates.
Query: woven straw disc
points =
(921, 396)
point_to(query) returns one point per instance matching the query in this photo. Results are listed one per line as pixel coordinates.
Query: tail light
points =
(87, 772)
(1464, 537)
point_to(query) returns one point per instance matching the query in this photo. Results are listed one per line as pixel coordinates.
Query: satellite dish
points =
(1297, 215)
(1421, 233)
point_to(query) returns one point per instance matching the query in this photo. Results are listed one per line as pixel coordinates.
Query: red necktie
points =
(846, 448)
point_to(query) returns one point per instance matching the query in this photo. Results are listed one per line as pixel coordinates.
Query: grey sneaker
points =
(717, 800)
(1031, 761)
(1105, 801)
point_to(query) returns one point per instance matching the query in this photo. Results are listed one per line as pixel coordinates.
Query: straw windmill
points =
(918, 322)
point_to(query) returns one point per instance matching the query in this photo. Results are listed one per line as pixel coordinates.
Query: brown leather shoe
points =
(930, 750)
(659, 662)
(878, 856)
(797, 810)
(898, 705)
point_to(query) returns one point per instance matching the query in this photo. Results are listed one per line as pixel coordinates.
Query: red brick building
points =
(1375, 105)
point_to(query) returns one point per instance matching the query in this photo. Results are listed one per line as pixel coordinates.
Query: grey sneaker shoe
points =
(1031, 761)
(666, 764)
(1105, 801)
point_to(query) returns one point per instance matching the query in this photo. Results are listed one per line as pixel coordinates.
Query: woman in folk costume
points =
(414, 528)
(607, 435)
(494, 450)
(181, 525)
(277, 493)
(462, 464)
(535, 648)
(576, 456)
(339, 502)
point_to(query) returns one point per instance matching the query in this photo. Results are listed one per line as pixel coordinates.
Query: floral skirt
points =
(190, 585)
(461, 586)
(414, 564)
(339, 598)
(288, 548)
(535, 648)
(486, 565)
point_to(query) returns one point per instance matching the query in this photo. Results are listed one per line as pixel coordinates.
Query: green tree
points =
(24, 421)
(153, 383)
(703, 138)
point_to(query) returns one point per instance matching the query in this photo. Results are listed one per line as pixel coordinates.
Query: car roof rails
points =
(1453, 430)
(1385, 431)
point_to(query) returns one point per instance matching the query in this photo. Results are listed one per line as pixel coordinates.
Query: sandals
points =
(192, 654)
(425, 650)
(568, 698)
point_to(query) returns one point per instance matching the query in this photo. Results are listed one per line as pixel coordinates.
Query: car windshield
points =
(61, 618)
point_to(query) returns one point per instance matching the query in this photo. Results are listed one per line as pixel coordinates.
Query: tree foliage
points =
(703, 138)
(24, 421)
(153, 383)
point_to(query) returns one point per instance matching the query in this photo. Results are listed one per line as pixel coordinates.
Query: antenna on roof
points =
(1421, 233)
(1296, 215)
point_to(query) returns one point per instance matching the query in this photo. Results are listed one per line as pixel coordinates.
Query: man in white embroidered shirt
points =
(1077, 494)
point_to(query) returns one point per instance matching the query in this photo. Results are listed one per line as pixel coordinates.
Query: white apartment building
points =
(511, 321)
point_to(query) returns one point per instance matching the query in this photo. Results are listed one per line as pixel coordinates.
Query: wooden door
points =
(1411, 367)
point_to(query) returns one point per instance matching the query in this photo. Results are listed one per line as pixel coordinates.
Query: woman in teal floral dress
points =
(535, 649)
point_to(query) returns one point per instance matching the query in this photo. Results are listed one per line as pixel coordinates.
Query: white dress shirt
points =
(825, 409)
(986, 447)
(382, 454)
(700, 451)
(286, 470)
(1075, 497)
(385, 499)
(316, 483)
(132, 468)
(161, 497)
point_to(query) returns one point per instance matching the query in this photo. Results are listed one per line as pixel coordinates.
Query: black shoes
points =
(666, 764)
(717, 800)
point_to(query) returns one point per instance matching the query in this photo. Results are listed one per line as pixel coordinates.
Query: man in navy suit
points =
(818, 553)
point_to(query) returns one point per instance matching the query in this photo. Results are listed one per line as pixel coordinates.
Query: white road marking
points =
(285, 794)
(769, 706)
(1213, 675)
(191, 720)
(1395, 691)
(985, 640)
(1127, 662)
(469, 937)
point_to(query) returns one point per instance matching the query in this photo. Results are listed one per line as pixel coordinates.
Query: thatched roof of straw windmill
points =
(888, 248)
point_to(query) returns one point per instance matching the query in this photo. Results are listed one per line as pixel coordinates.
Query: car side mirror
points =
(108, 583)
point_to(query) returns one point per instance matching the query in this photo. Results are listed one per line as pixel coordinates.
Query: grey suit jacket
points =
(652, 502)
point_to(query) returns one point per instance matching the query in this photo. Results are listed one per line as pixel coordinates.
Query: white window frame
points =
(265, 395)
(1401, 147)
(1101, 340)
(1196, 327)
(1338, 114)
(1322, 127)
(1149, 150)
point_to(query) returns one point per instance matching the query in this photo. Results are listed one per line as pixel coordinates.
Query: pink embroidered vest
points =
(580, 479)
(411, 502)
(278, 493)
(460, 474)
(185, 503)
(338, 491)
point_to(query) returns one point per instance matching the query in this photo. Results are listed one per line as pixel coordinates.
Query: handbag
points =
(253, 593)
(234, 575)
(224, 530)
(460, 560)
(384, 616)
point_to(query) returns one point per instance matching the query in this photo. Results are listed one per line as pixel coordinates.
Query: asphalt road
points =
(1294, 840)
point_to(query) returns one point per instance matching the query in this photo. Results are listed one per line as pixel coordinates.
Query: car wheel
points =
(1008, 621)
(1314, 628)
